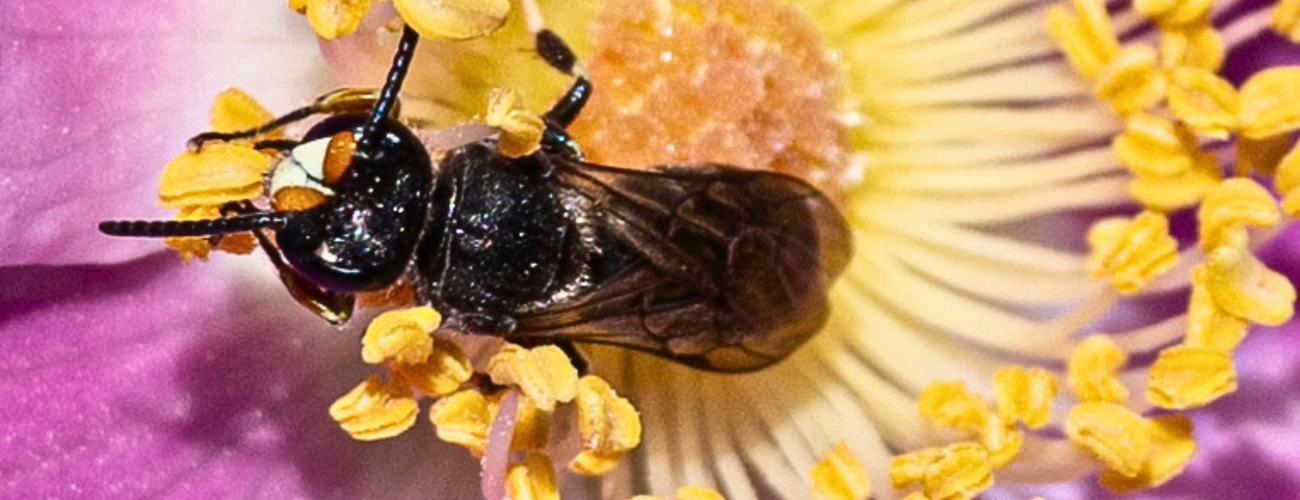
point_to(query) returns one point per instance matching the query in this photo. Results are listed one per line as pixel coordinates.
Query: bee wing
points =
(733, 264)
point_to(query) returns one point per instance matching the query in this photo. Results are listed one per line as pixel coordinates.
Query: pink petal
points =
(152, 380)
(98, 96)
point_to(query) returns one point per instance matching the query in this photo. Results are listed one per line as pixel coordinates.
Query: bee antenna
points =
(204, 227)
(392, 86)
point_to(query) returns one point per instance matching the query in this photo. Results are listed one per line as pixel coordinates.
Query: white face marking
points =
(304, 167)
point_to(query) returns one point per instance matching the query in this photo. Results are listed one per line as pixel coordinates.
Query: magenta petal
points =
(152, 380)
(98, 96)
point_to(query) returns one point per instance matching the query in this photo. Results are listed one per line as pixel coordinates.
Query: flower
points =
(985, 158)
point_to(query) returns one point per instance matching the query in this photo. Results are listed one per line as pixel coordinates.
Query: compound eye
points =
(338, 157)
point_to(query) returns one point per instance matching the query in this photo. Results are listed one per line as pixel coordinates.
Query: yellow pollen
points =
(1242, 285)
(1172, 13)
(1002, 439)
(1197, 46)
(839, 475)
(234, 110)
(453, 19)
(402, 335)
(1270, 102)
(1085, 35)
(219, 174)
(1132, 252)
(1025, 394)
(335, 18)
(1286, 19)
(299, 6)
(1172, 448)
(1132, 82)
(1112, 433)
(1190, 377)
(1288, 180)
(521, 131)
(532, 479)
(1209, 325)
(441, 373)
(1092, 369)
(544, 373)
(1156, 147)
(1204, 101)
(1234, 204)
(609, 425)
(949, 404)
(375, 410)
(957, 472)
(463, 418)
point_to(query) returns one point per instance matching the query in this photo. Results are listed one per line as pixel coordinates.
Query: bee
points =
(712, 266)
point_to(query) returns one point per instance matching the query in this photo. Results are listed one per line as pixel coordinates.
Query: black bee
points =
(713, 266)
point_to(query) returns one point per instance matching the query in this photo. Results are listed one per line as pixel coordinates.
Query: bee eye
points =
(338, 157)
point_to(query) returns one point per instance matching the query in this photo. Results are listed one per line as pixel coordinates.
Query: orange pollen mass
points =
(296, 198)
(748, 83)
(338, 157)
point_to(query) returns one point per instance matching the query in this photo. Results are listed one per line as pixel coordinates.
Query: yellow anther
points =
(1025, 394)
(219, 174)
(1190, 377)
(1131, 81)
(1208, 325)
(1196, 46)
(463, 418)
(1270, 102)
(909, 468)
(694, 492)
(961, 472)
(1234, 204)
(1288, 180)
(453, 19)
(949, 404)
(916, 495)
(441, 373)
(334, 18)
(403, 335)
(544, 373)
(1002, 439)
(532, 479)
(1132, 252)
(375, 410)
(299, 6)
(234, 110)
(1112, 433)
(1245, 287)
(1204, 101)
(839, 475)
(1092, 369)
(532, 425)
(1170, 13)
(521, 131)
(1261, 156)
(609, 426)
(1172, 449)
(1156, 147)
(1286, 19)
(1085, 35)
(1169, 193)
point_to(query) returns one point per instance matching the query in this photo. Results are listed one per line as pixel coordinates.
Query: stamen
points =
(521, 131)
(402, 335)
(609, 425)
(1195, 46)
(840, 476)
(1085, 35)
(1092, 370)
(233, 110)
(463, 418)
(1245, 287)
(1174, 13)
(1025, 394)
(1286, 19)
(219, 174)
(1132, 252)
(1232, 205)
(334, 18)
(544, 373)
(1131, 82)
(532, 479)
(1288, 180)
(949, 404)
(441, 373)
(1209, 325)
(1172, 447)
(453, 19)
(1204, 101)
(957, 472)
(1270, 102)
(1113, 433)
(375, 410)
(1190, 377)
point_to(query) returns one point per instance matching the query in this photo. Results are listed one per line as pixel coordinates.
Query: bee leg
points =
(552, 49)
(345, 100)
(280, 145)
